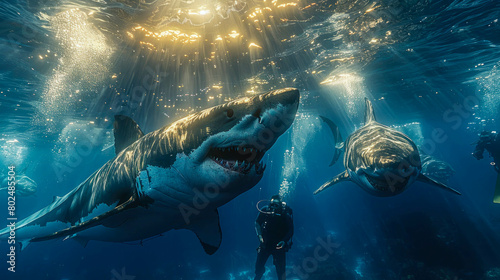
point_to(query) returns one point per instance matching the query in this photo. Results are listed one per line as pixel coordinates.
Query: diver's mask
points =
(276, 207)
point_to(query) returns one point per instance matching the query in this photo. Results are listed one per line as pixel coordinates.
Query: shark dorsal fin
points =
(369, 114)
(208, 231)
(126, 132)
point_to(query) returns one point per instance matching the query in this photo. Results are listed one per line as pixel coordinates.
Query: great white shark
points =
(380, 159)
(172, 178)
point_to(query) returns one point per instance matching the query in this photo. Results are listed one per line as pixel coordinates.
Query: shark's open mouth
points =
(388, 184)
(238, 159)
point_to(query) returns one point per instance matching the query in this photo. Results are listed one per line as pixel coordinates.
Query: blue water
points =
(69, 66)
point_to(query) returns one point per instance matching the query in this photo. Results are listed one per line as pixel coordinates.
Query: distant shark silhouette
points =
(381, 160)
(173, 178)
(25, 186)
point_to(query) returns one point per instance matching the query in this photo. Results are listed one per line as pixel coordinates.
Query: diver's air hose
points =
(260, 210)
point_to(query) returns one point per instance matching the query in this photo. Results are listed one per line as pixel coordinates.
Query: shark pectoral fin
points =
(81, 241)
(339, 143)
(24, 243)
(126, 132)
(422, 178)
(68, 232)
(208, 231)
(344, 176)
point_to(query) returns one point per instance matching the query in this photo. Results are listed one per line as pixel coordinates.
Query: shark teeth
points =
(384, 185)
(241, 159)
(242, 167)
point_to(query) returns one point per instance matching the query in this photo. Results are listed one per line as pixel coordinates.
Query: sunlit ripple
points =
(189, 22)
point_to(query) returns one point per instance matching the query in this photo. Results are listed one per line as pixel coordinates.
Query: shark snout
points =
(278, 109)
(284, 96)
(254, 125)
(399, 170)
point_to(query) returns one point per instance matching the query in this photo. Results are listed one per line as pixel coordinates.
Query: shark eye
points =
(229, 113)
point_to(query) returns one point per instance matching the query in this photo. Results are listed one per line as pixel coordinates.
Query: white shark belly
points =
(166, 189)
(131, 225)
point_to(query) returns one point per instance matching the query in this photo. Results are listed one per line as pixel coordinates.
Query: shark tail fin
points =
(339, 142)
(422, 178)
(126, 132)
(369, 114)
(344, 176)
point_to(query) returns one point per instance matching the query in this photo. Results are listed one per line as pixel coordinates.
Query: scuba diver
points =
(489, 141)
(274, 227)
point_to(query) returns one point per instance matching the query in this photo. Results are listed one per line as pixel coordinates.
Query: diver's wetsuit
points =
(490, 142)
(274, 228)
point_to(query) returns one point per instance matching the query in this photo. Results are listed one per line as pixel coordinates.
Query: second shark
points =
(380, 159)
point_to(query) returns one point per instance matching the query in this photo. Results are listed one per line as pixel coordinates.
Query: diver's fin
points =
(496, 198)
(339, 143)
(208, 231)
(422, 178)
(369, 114)
(55, 198)
(126, 132)
(344, 176)
(68, 232)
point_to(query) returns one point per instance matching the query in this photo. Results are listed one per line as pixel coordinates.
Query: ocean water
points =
(428, 66)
